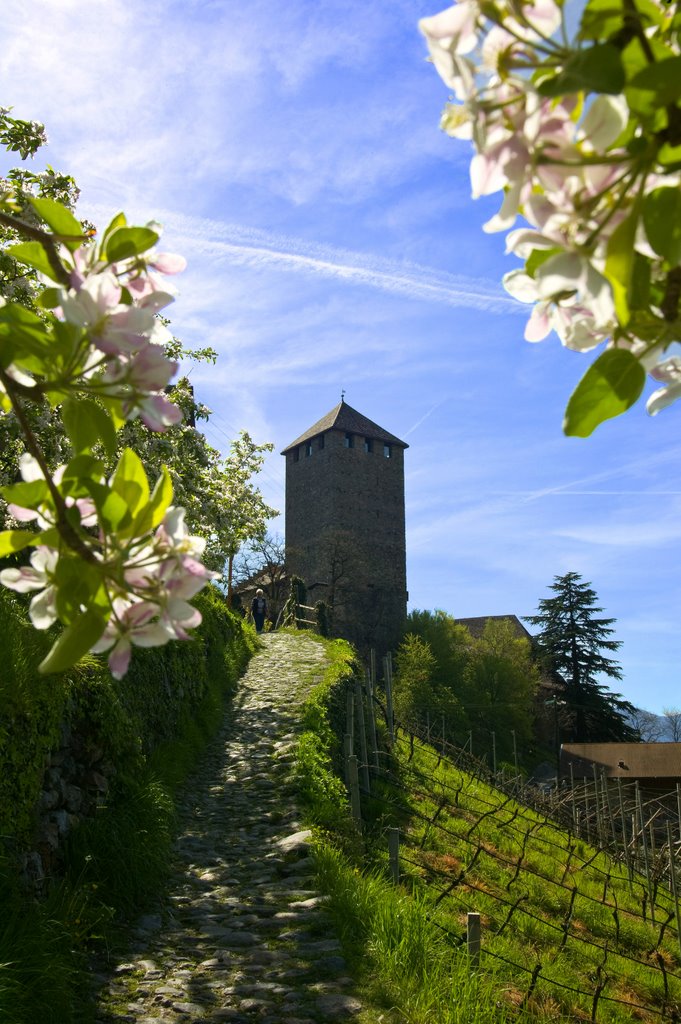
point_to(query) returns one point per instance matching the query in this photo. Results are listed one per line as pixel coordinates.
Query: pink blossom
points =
(155, 411)
(149, 369)
(168, 263)
(131, 623)
(37, 576)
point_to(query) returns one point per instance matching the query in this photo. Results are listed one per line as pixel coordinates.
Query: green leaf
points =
(112, 510)
(669, 156)
(127, 242)
(33, 255)
(60, 220)
(639, 293)
(15, 540)
(536, 258)
(75, 641)
(662, 79)
(596, 69)
(77, 581)
(86, 423)
(130, 481)
(619, 263)
(609, 387)
(116, 222)
(20, 324)
(28, 494)
(600, 18)
(49, 298)
(83, 467)
(151, 515)
(662, 221)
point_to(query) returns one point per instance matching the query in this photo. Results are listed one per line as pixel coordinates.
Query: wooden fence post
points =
(394, 853)
(672, 877)
(368, 685)
(359, 707)
(347, 754)
(350, 712)
(473, 937)
(388, 674)
(646, 858)
(625, 838)
(355, 803)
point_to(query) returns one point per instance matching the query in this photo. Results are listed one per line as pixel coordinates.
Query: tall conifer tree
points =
(574, 642)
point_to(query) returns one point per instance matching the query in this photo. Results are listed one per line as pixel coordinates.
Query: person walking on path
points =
(259, 610)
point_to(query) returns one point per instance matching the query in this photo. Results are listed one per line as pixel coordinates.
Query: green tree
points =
(500, 683)
(221, 501)
(448, 641)
(417, 693)
(575, 641)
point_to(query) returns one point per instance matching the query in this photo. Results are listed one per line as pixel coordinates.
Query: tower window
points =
(388, 451)
(321, 441)
(308, 449)
(349, 441)
(368, 444)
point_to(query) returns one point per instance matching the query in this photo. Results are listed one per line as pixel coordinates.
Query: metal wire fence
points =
(532, 863)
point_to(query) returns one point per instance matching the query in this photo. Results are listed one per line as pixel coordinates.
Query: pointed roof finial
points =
(342, 394)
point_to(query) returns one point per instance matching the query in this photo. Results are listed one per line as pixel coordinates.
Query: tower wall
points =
(345, 533)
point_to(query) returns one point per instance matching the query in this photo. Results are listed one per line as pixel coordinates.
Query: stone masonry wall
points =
(345, 506)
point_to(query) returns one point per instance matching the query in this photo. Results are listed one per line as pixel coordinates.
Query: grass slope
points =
(566, 934)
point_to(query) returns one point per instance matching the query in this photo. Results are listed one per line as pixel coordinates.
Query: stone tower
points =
(345, 525)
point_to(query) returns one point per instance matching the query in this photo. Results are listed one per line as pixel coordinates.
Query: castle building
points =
(345, 533)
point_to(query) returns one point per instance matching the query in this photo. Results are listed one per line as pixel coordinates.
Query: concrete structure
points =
(345, 525)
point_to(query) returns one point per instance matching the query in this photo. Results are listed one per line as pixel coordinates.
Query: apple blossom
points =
(584, 139)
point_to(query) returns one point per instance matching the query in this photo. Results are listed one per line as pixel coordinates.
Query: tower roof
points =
(344, 417)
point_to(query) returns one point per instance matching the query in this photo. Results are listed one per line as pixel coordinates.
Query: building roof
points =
(344, 417)
(476, 625)
(623, 760)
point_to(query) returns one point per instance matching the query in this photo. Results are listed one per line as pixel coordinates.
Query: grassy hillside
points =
(566, 934)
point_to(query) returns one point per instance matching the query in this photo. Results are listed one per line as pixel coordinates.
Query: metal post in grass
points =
(611, 816)
(350, 712)
(473, 938)
(372, 668)
(625, 838)
(372, 720)
(347, 754)
(573, 800)
(494, 755)
(672, 878)
(394, 853)
(388, 676)
(353, 774)
(678, 806)
(635, 843)
(587, 811)
(361, 728)
(597, 804)
(515, 754)
(646, 858)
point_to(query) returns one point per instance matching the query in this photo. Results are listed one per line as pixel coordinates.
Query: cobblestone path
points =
(243, 936)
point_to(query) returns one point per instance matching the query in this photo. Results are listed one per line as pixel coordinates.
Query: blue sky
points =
(293, 154)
